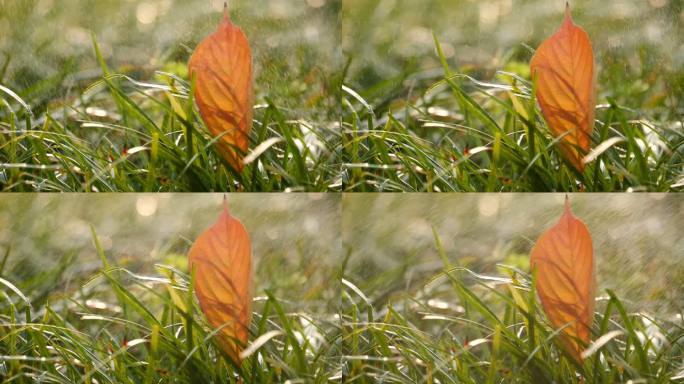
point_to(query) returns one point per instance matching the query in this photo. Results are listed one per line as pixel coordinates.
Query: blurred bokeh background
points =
(638, 44)
(46, 241)
(46, 47)
(637, 238)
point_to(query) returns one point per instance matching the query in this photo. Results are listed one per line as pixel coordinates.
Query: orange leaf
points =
(564, 69)
(563, 259)
(222, 260)
(222, 66)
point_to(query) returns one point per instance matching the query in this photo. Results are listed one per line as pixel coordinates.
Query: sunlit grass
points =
(463, 326)
(134, 127)
(125, 135)
(465, 134)
(113, 325)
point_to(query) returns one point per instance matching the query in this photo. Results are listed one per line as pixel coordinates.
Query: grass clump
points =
(464, 327)
(118, 113)
(118, 326)
(125, 135)
(437, 97)
(464, 134)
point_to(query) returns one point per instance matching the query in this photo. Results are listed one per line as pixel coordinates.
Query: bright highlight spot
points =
(488, 205)
(146, 13)
(146, 206)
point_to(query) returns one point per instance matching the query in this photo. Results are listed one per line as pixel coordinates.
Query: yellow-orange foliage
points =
(222, 67)
(222, 260)
(564, 263)
(564, 70)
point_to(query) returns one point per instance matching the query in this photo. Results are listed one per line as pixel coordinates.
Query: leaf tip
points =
(568, 209)
(568, 13)
(225, 204)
